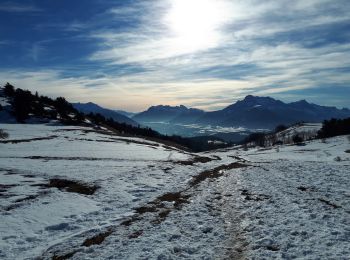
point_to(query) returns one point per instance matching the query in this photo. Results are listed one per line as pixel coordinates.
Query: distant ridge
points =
(125, 113)
(251, 112)
(174, 114)
(90, 107)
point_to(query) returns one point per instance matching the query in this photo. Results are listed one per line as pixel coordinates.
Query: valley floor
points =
(81, 193)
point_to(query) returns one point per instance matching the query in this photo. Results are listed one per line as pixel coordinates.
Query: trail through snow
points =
(157, 202)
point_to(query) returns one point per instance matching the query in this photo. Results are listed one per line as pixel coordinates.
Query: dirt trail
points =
(156, 210)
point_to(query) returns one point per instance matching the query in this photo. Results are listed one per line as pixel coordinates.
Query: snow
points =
(307, 129)
(278, 203)
(4, 101)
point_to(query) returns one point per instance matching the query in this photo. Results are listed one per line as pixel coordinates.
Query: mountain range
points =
(169, 114)
(251, 112)
(90, 107)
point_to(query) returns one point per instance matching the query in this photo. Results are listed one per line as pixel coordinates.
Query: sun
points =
(195, 24)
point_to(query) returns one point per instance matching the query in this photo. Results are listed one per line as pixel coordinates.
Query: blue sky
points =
(201, 53)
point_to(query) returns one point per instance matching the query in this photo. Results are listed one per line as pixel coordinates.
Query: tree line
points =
(25, 104)
(330, 128)
(334, 127)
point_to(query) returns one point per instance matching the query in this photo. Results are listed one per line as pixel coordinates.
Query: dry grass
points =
(72, 186)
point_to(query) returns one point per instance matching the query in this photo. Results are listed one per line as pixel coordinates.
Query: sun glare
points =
(195, 24)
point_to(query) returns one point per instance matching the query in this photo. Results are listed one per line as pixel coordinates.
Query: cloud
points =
(18, 8)
(278, 48)
(256, 36)
(35, 51)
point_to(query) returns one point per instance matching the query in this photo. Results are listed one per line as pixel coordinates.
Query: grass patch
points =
(97, 239)
(28, 140)
(72, 186)
(197, 159)
(215, 173)
(327, 202)
(64, 257)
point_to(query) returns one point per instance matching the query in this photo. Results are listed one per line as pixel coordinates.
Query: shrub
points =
(297, 139)
(3, 134)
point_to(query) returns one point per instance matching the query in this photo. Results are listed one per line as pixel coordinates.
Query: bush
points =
(337, 159)
(3, 134)
(297, 139)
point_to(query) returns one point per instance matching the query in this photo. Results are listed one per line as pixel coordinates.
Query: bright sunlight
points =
(194, 24)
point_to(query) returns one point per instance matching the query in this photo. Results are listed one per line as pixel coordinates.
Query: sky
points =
(131, 54)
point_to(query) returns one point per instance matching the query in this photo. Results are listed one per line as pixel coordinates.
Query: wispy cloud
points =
(18, 8)
(147, 56)
(274, 38)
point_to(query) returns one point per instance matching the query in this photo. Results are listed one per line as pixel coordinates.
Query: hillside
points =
(24, 107)
(70, 192)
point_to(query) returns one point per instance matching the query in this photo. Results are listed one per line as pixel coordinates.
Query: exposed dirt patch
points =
(215, 173)
(131, 220)
(162, 216)
(238, 158)
(114, 140)
(135, 142)
(10, 172)
(145, 209)
(6, 187)
(305, 189)
(98, 239)
(16, 141)
(30, 197)
(272, 248)
(161, 206)
(21, 202)
(167, 169)
(158, 207)
(135, 234)
(196, 159)
(47, 158)
(64, 257)
(254, 197)
(169, 147)
(177, 198)
(327, 202)
(72, 186)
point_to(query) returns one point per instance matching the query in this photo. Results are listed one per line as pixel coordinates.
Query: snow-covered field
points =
(80, 193)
